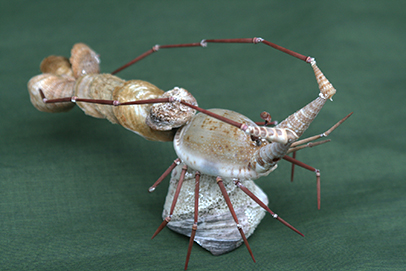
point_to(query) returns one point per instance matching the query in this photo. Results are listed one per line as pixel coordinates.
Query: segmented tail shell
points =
(98, 86)
(79, 76)
(110, 87)
(133, 117)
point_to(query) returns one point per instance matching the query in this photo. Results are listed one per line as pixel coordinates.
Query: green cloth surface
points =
(74, 189)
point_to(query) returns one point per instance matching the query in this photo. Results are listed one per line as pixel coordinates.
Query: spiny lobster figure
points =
(220, 152)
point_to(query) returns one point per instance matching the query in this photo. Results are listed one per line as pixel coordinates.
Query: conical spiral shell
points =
(98, 86)
(84, 60)
(326, 88)
(133, 117)
(301, 119)
(58, 65)
(53, 86)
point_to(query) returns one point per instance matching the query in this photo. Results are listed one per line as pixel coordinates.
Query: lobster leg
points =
(230, 207)
(304, 143)
(303, 165)
(293, 167)
(163, 176)
(263, 205)
(194, 227)
(175, 199)
(203, 43)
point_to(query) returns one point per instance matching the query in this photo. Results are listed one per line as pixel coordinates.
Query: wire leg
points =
(303, 165)
(163, 176)
(230, 207)
(263, 205)
(194, 227)
(175, 199)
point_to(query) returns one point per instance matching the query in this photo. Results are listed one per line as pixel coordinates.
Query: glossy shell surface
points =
(217, 148)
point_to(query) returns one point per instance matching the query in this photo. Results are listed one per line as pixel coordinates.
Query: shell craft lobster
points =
(212, 196)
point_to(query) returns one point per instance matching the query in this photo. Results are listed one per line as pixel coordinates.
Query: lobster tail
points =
(301, 119)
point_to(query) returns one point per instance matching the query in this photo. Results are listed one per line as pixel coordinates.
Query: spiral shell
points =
(301, 119)
(326, 88)
(84, 60)
(53, 86)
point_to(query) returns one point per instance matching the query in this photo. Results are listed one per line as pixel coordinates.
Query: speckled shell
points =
(53, 86)
(216, 230)
(166, 116)
(217, 148)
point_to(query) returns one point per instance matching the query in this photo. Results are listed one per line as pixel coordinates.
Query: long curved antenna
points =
(203, 43)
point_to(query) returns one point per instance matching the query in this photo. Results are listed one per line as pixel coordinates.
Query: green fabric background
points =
(73, 189)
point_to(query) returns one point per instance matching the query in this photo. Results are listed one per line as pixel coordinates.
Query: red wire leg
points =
(175, 199)
(303, 165)
(230, 207)
(194, 227)
(163, 176)
(263, 205)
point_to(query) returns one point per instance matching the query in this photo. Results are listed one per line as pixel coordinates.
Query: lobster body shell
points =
(217, 148)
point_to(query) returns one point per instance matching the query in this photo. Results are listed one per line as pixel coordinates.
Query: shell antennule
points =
(327, 90)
